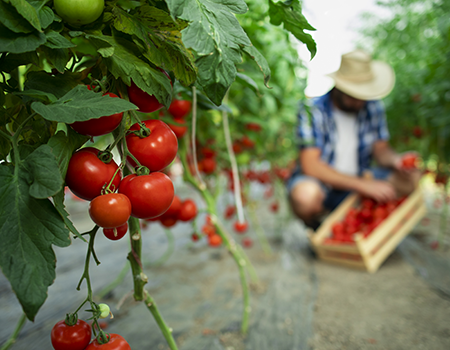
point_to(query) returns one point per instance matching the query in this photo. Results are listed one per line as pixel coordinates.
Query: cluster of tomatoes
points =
(363, 219)
(94, 176)
(178, 110)
(77, 335)
(179, 210)
(208, 229)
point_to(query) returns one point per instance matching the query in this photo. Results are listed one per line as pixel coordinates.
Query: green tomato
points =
(104, 309)
(243, 158)
(79, 12)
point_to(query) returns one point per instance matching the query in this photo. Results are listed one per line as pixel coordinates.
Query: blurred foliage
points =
(415, 40)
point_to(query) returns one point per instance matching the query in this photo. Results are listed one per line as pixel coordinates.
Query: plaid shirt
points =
(320, 130)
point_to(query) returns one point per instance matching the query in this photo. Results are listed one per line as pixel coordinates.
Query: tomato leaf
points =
(12, 61)
(63, 146)
(58, 85)
(37, 95)
(58, 201)
(158, 36)
(260, 61)
(20, 42)
(81, 104)
(27, 11)
(45, 13)
(58, 58)
(28, 228)
(57, 41)
(217, 38)
(12, 20)
(289, 13)
(126, 64)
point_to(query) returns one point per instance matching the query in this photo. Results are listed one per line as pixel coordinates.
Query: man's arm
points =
(385, 155)
(312, 165)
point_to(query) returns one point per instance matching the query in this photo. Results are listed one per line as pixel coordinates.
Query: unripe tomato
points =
(150, 195)
(100, 126)
(157, 150)
(116, 233)
(76, 337)
(188, 210)
(110, 210)
(116, 342)
(79, 12)
(87, 174)
(179, 108)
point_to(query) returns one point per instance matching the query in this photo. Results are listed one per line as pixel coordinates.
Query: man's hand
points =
(405, 163)
(381, 191)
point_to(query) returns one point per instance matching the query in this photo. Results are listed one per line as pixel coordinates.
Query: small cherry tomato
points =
(116, 233)
(240, 227)
(409, 161)
(247, 242)
(110, 210)
(116, 342)
(155, 151)
(87, 174)
(179, 130)
(214, 240)
(76, 337)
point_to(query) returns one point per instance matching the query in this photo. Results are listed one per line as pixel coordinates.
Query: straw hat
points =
(363, 78)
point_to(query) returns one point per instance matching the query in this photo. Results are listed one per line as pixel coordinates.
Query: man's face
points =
(347, 103)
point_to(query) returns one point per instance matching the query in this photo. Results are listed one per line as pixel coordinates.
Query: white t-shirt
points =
(346, 151)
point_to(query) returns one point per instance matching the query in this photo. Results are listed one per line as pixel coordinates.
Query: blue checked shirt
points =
(320, 130)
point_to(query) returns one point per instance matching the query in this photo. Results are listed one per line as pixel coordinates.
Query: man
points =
(341, 133)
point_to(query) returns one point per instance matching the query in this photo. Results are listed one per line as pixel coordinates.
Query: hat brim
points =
(375, 89)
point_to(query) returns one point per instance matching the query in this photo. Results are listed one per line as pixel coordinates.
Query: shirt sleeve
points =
(380, 121)
(308, 131)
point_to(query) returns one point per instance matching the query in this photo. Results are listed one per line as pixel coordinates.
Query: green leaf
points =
(126, 64)
(58, 58)
(289, 13)
(43, 168)
(260, 61)
(28, 228)
(58, 85)
(12, 61)
(37, 95)
(58, 201)
(63, 146)
(20, 42)
(159, 38)
(217, 38)
(81, 104)
(28, 12)
(12, 20)
(57, 41)
(247, 81)
(45, 13)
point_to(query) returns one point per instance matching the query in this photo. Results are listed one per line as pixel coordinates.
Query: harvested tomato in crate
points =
(361, 233)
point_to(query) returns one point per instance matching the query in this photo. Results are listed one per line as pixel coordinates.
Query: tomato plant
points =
(116, 233)
(79, 12)
(87, 174)
(115, 342)
(150, 195)
(71, 337)
(155, 148)
(240, 227)
(110, 210)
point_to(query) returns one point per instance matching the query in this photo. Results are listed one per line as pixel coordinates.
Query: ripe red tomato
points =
(253, 126)
(155, 151)
(240, 227)
(146, 103)
(79, 12)
(99, 126)
(338, 229)
(208, 165)
(417, 132)
(229, 211)
(247, 142)
(110, 210)
(214, 240)
(150, 195)
(188, 210)
(87, 174)
(195, 237)
(409, 161)
(174, 208)
(116, 233)
(237, 148)
(274, 207)
(168, 221)
(76, 337)
(208, 152)
(247, 242)
(180, 108)
(178, 129)
(116, 342)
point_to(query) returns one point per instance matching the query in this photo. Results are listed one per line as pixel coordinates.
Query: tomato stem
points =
(12, 339)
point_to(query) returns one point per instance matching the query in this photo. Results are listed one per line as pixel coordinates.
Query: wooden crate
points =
(370, 252)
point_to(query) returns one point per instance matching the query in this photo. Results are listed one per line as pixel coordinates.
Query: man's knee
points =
(307, 199)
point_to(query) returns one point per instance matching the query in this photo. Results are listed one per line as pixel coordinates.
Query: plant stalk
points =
(12, 339)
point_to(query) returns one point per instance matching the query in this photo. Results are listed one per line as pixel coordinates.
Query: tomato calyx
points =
(143, 131)
(142, 170)
(71, 319)
(102, 337)
(105, 156)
